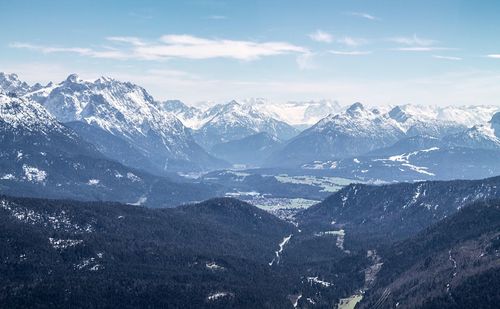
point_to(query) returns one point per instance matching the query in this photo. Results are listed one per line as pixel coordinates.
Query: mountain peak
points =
(355, 108)
(11, 83)
(233, 103)
(398, 114)
(73, 78)
(104, 80)
(175, 104)
(10, 76)
(26, 114)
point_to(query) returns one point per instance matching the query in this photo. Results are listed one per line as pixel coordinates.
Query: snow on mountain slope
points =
(125, 123)
(362, 123)
(469, 115)
(30, 137)
(10, 83)
(41, 157)
(355, 131)
(359, 130)
(190, 116)
(301, 114)
(19, 114)
(126, 111)
(418, 120)
(232, 121)
(440, 121)
(486, 136)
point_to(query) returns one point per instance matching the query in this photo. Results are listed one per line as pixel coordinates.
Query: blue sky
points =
(378, 52)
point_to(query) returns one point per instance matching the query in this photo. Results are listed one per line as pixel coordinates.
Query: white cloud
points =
(191, 47)
(350, 41)
(349, 53)
(446, 57)
(494, 56)
(364, 15)
(176, 46)
(422, 48)
(412, 41)
(127, 40)
(104, 53)
(416, 44)
(325, 37)
(321, 36)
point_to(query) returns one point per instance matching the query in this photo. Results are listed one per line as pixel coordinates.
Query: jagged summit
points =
(127, 114)
(21, 114)
(104, 79)
(73, 78)
(12, 83)
(398, 114)
(355, 107)
(232, 121)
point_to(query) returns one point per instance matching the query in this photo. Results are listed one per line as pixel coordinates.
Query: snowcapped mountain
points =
(361, 131)
(125, 123)
(10, 83)
(31, 138)
(418, 120)
(42, 157)
(470, 154)
(27, 117)
(232, 121)
(486, 136)
(469, 115)
(357, 130)
(300, 114)
(439, 121)
(190, 116)
(360, 122)
(464, 115)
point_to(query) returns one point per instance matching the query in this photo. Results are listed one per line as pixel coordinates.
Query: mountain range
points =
(227, 253)
(228, 122)
(45, 158)
(111, 198)
(362, 131)
(124, 123)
